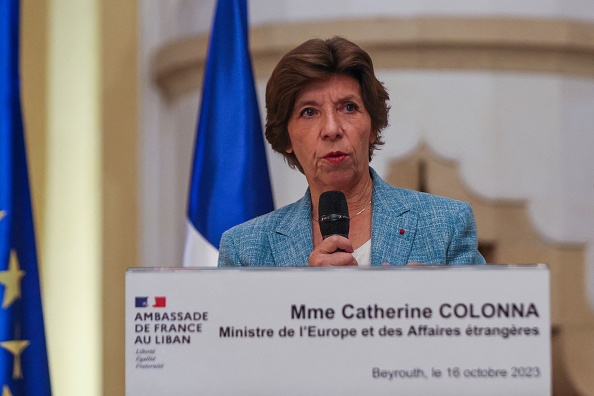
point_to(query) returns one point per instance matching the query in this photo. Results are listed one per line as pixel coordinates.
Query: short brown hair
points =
(317, 60)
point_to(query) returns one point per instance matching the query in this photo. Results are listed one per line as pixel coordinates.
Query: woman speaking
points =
(325, 114)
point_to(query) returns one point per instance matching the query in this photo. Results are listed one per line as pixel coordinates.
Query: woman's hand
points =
(325, 254)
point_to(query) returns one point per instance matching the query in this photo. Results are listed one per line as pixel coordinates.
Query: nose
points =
(331, 128)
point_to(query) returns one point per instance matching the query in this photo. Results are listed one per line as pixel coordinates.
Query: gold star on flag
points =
(16, 348)
(11, 279)
(2, 214)
(6, 391)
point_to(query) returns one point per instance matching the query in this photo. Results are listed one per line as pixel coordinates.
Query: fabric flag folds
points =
(23, 358)
(230, 182)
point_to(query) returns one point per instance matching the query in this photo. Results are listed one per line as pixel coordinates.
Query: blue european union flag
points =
(23, 358)
(230, 182)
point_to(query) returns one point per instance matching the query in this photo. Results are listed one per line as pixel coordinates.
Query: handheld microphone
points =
(333, 214)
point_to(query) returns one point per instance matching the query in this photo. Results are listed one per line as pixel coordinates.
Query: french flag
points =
(230, 182)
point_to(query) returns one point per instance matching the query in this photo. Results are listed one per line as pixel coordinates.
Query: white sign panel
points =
(361, 331)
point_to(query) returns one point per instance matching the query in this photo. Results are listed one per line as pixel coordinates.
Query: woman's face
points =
(330, 132)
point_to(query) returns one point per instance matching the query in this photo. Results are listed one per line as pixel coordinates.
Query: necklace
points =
(356, 214)
(362, 210)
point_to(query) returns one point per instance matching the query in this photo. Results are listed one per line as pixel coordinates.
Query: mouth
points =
(335, 157)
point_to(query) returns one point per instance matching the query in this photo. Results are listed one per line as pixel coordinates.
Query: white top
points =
(363, 254)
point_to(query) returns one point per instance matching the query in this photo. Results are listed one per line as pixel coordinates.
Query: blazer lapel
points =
(291, 241)
(393, 229)
(393, 225)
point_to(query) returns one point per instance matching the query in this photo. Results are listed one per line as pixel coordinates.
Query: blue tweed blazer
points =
(406, 226)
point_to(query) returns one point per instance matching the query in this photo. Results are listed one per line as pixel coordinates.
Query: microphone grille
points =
(333, 202)
(334, 214)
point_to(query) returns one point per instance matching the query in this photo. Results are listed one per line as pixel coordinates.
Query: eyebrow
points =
(306, 103)
(348, 98)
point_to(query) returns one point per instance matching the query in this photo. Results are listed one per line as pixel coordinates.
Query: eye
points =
(307, 112)
(351, 107)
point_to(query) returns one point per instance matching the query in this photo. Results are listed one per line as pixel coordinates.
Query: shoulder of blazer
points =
(280, 220)
(283, 236)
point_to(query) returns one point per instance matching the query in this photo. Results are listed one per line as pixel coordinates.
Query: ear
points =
(372, 137)
(289, 149)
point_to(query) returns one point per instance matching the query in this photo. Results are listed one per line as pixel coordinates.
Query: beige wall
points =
(33, 80)
(79, 76)
(119, 103)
